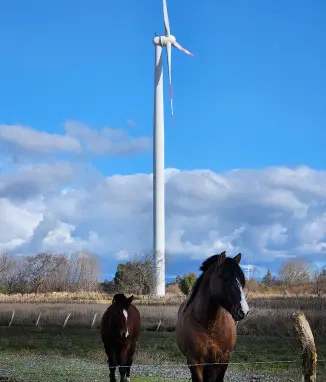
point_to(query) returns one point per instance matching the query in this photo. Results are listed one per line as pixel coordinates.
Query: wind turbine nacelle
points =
(162, 40)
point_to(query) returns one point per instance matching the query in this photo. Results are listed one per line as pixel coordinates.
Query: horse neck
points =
(205, 310)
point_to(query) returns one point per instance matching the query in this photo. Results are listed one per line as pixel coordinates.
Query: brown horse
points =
(206, 331)
(120, 326)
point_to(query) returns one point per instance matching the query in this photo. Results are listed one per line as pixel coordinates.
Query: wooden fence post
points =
(309, 354)
(38, 319)
(12, 318)
(66, 320)
(94, 319)
(158, 325)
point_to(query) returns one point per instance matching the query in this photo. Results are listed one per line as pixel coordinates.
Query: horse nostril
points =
(241, 313)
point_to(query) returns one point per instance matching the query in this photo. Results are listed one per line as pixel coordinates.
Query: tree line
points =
(298, 272)
(138, 277)
(46, 272)
(80, 271)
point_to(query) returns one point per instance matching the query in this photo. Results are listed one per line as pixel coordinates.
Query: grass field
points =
(269, 316)
(48, 352)
(77, 355)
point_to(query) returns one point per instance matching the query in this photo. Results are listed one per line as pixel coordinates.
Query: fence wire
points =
(180, 365)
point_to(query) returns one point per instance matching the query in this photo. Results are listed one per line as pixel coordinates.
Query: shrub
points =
(186, 282)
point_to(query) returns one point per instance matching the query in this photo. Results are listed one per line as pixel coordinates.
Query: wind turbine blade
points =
(168, 50)
(166, 19)
(175, 44)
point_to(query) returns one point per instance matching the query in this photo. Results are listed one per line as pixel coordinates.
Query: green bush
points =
(186, 282)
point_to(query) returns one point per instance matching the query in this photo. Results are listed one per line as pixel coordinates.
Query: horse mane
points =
(208, 262)
(204, 268)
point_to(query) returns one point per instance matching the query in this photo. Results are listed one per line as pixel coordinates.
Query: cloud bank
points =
(265, 214)
(63, 206)
(18, 142)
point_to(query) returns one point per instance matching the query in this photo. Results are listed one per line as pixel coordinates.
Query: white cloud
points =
(108, 141)
(131, 123)
(122, 255)
(18, 142)
(29, 139)
(253, 271)
(265, 214)
(17, 224)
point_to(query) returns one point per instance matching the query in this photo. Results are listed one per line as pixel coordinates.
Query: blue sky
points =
(257, 80)
(253, 96)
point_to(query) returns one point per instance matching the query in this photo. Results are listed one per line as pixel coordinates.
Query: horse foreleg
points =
(196, 373)
(211, 373)
(126, 363)
(129, 363)
(195, 368)
(125, 371)
(214, 373)
(221, 373)
(112, 367)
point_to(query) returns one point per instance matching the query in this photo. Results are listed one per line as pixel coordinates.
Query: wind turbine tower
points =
(159, 42)
(247, 270)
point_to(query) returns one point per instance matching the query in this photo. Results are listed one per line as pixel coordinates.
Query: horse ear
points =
(221, 258)
(237, 258)
(130, 299)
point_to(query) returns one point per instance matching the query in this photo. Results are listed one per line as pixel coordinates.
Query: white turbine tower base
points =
(158, 176)
(159, 42)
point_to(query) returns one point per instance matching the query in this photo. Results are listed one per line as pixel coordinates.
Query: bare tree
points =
(59, 281)
(295, 272)
(40, 268)
(146, 272)
(138, 276)
(7, 265)
(319, 281)
(84, 271)
(49, 272)
(16, 278)
(7, 262)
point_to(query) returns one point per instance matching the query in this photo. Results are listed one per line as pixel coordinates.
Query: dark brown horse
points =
(206, 330)
(120, 326)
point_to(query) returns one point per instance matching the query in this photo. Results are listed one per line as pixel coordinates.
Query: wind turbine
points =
(247, 269)
(159, 42)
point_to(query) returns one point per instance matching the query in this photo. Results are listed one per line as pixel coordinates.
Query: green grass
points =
(78, 355)
(38, 368)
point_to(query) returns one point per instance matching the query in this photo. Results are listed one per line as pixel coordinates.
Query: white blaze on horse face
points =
(243, 301)
(125, 313)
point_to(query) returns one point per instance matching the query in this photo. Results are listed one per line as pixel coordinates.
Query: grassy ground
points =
(85, 298)
(270, 316)
(73, 354)
(76, 354)
(168, 299)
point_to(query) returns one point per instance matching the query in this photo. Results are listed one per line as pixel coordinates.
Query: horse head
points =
(226, 284)
(120, 305)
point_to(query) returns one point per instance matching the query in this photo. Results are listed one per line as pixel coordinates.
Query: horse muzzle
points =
(124, 335)
(240, 314)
